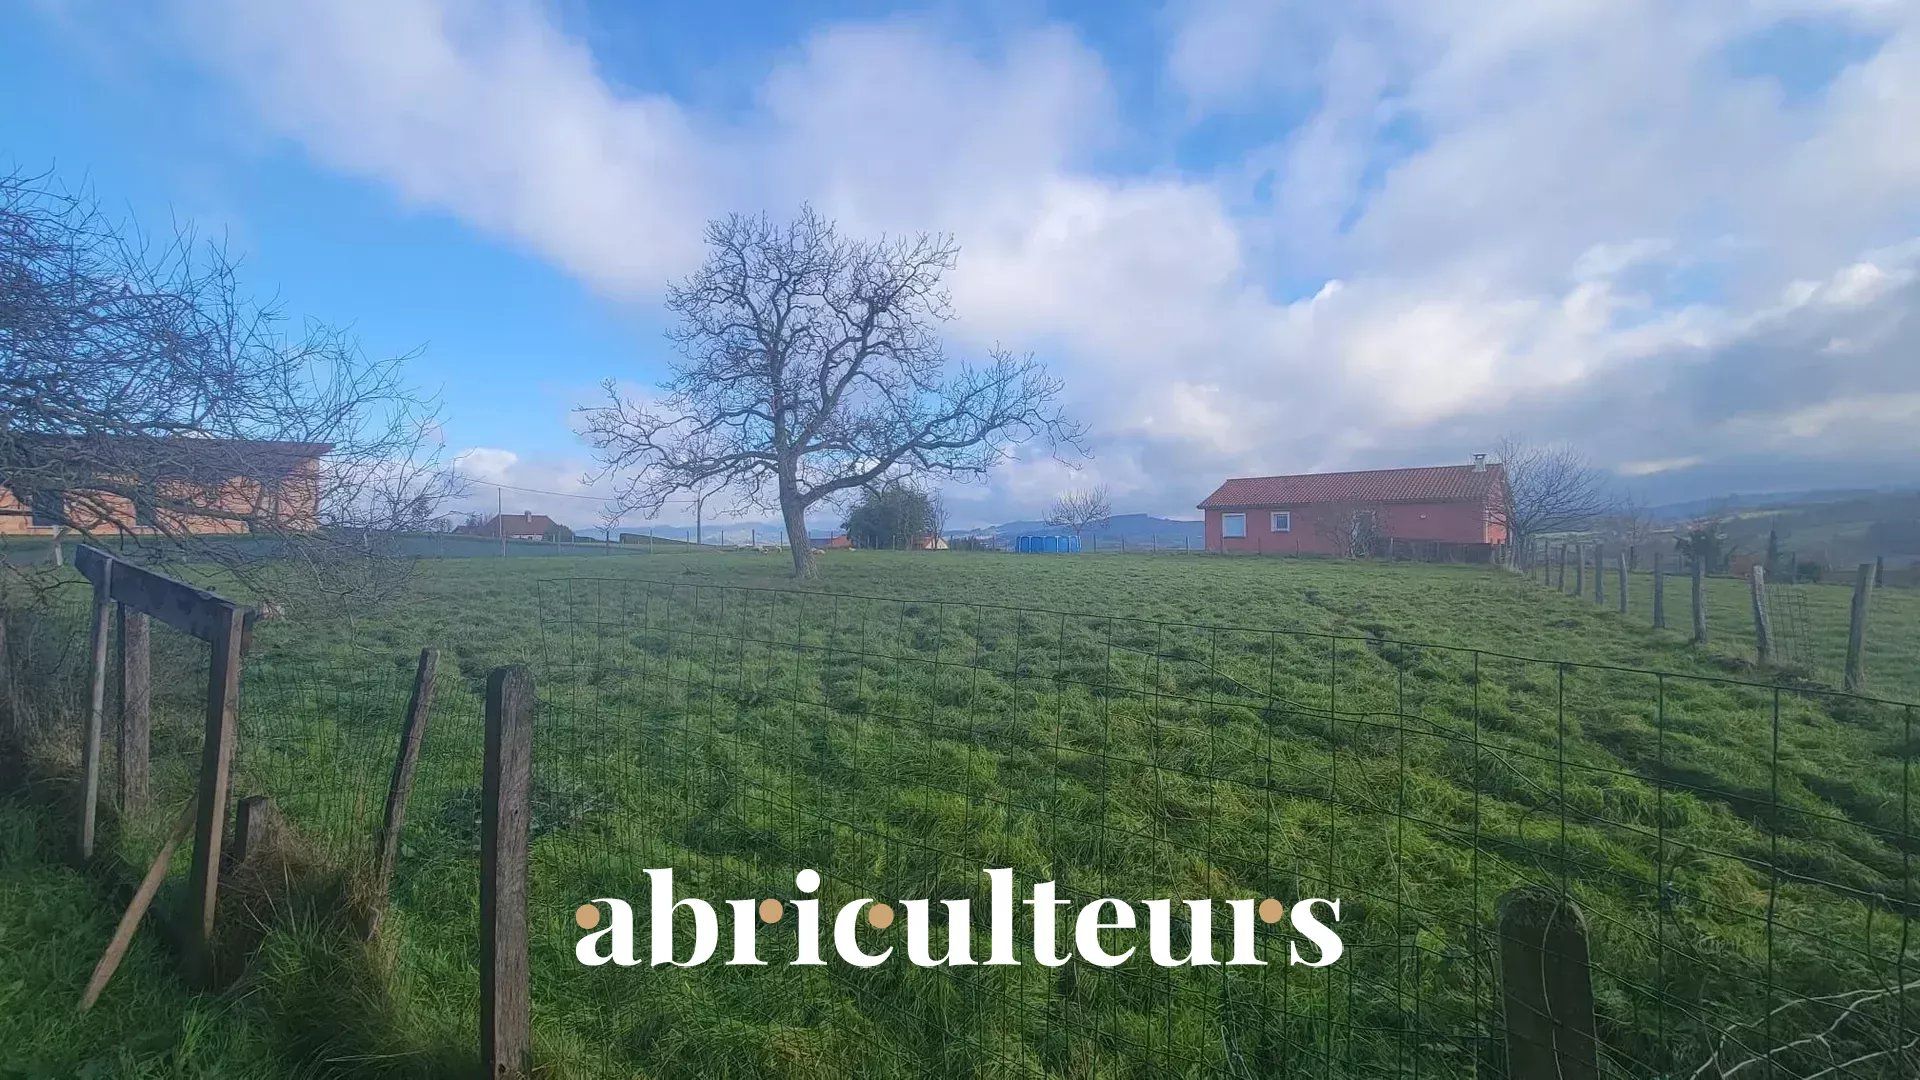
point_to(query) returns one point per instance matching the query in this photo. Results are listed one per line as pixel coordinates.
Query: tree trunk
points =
(795, 517)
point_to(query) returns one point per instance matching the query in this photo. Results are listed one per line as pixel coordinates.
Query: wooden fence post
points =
(1659, 592)
(216, 758)
(1546, 986)
(254, 823)
(1762, 624)
(1879, 571)
(1561, 581)
(1621, 581)
(1579, 570)
(1856, 672)
(1599, 573)
(1699, 601)
(136, 708)
(506, 783)
(412, 729)
(96, 707)
(6, 678)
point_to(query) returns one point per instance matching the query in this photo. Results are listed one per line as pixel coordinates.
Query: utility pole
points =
(500, 517)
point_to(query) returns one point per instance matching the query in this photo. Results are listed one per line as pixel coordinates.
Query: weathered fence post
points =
(216, 758)
(7, 697)
(1560, 582)
(254, 823)
(1546, 987)
(1621, 581)
(1579, 570)
(136, 708)
(1856, 676)
(1659, 592)
(1599, 573)
(96, 707)
(1699, 601)
(412, 729)
(1762, 624)
(1879, 571)
(506, 780)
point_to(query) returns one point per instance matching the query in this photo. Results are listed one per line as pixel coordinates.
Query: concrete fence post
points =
(1546, 988)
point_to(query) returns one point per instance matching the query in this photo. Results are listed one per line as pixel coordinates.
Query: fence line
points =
(1741, 852)
(902, 746)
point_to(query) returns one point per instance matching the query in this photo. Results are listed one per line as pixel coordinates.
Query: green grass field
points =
(1134, 726)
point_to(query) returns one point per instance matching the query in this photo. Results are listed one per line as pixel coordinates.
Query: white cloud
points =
(1517, 210)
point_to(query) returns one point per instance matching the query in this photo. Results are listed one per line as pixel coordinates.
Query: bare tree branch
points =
(1549, 489)
(145, 398)
(810, 367)
(1083, 510)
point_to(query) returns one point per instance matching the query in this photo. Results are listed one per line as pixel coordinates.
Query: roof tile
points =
(1440, 483)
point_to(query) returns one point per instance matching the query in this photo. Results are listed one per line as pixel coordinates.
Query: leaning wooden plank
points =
(413, 729)
(136, 910)
(180, 605)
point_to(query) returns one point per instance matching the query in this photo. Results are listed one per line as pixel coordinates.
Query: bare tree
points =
(1083, 510)
(145, 398)
(810, 367)
(1548, 489)
(936, 519)
(1351, 529)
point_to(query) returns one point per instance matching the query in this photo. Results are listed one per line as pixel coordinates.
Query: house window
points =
(1281, 521)
(49, 508)
(1233, 526)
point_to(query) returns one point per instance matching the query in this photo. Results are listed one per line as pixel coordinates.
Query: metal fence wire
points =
(1742, 852)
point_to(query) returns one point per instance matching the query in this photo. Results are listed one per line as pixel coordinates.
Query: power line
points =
(537, 491)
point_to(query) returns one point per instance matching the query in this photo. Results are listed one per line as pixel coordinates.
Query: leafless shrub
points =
(1083, 510)
(147, 400)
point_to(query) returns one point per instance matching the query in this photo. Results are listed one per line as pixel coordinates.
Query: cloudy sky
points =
(1252, 237)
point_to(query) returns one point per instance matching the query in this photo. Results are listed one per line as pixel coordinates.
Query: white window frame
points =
(1226, 532)
(1280, 521)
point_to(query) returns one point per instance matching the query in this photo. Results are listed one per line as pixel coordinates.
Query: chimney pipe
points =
(1479, 463)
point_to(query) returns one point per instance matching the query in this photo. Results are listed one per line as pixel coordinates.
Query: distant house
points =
(842, 542)
(522, 526)
(930, 542)
(170, 485)
(1320, 513)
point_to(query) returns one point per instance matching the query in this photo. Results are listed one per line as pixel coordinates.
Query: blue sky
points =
(1252, 237)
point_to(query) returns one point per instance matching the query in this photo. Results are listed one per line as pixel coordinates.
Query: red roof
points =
(528, 524)
(1439, 483)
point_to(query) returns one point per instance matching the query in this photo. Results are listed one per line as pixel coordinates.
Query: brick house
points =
(1321, 513)
(175, 486)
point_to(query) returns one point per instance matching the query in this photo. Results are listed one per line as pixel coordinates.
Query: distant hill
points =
(1145, 530)
(1739, 502)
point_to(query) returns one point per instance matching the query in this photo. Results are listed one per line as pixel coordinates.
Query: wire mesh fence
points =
(1742, 851)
